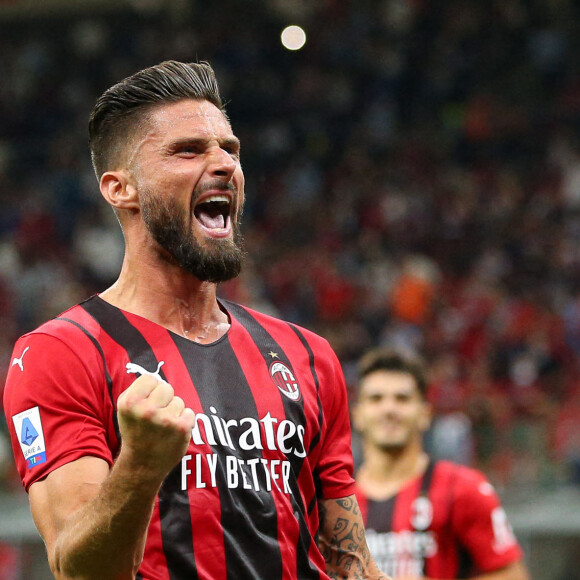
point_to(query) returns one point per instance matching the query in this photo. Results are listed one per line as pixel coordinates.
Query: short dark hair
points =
(387, 359)
(122, 108)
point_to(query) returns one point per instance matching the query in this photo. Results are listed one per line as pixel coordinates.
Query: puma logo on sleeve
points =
(18, 361)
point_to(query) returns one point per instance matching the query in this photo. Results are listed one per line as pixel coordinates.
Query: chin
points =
(393, 446)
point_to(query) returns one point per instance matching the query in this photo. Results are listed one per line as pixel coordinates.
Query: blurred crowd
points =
(413, 179)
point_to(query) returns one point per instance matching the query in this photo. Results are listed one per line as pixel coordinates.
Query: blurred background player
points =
(424, 518)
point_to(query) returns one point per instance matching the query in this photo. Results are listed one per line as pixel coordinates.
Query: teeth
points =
(218, 198)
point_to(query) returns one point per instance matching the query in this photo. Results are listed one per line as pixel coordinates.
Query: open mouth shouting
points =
(214, 214)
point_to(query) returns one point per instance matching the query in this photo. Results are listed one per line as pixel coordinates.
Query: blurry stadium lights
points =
(293, 37)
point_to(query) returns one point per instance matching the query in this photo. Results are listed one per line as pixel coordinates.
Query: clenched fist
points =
(155, 424)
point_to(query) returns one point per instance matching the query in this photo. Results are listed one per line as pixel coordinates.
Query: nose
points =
(221, 163)
(387, 406)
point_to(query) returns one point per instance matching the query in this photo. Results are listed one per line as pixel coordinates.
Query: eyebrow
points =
(201, 141)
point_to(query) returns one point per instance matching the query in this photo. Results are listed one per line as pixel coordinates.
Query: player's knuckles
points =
(144, 385)
(140, 388)
(188, 416)
(187, 420)
(140, 411)
(146, 388)
(163, 394)
(176, 405)
(158, 410)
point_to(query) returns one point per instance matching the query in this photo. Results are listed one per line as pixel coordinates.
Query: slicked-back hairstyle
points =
(386, 359)
(121, 109)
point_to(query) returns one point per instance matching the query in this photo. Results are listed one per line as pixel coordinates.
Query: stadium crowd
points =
(413, 180)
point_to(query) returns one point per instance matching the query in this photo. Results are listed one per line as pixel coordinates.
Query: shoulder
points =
(460, 475)
(273, 324)
(57, 355)
(71, 331)
(66, 322)
(467, 485)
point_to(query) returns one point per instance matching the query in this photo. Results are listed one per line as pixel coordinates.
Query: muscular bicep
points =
(342, 540)
(55, 499)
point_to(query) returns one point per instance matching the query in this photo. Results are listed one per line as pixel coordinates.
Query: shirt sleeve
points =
(481, 525)
(335, 466)
(56, 407)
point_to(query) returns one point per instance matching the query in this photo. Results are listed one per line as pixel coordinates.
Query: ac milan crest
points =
(284, 379)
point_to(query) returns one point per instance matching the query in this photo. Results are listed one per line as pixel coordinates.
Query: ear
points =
(118, 189)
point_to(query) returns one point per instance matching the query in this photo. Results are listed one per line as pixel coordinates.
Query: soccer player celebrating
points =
(424, 519)
(163, 433)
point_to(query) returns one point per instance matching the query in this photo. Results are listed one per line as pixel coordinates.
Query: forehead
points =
(388, 382)
(186, 118)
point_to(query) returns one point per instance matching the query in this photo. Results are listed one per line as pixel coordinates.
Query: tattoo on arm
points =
(342, 541)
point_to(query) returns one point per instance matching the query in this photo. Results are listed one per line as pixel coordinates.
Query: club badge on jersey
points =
(285, 380)
(28, 427)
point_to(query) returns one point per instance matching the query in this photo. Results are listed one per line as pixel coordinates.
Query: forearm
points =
(342, 542)
(106, 537)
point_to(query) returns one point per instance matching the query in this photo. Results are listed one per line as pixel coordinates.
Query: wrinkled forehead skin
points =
(189, 118)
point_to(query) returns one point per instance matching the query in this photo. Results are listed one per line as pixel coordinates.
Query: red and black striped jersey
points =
(271, 437)
(448, 523)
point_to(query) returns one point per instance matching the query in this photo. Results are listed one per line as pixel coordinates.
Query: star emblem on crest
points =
(273, 354)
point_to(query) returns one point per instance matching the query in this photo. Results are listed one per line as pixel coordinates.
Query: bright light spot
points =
(293, 37)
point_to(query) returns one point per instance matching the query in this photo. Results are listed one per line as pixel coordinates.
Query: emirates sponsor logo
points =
(201, 470)
(249, 433)
(401, 553)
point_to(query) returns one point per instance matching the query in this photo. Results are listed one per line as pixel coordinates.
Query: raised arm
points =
(94, 520)
(342, 541)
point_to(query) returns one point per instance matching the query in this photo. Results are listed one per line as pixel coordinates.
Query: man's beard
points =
(218, 261)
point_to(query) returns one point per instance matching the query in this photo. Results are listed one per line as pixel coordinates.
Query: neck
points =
(384, 473)
(171, 298)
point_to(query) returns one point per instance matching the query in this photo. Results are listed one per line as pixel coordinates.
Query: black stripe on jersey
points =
(380, 515)
(465, 567)
(249, 518)
(427, 478)
(106, 370)
(426, 481)
(294, 411)
(178, 548)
